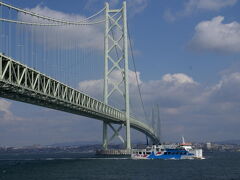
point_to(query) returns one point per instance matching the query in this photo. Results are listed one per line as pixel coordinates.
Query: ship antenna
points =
(159, 125)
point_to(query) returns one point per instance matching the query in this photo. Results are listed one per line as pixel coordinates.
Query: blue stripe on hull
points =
(153, 156)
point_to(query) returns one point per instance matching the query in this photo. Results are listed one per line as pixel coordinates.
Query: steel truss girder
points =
(17, 76)
(21, 83)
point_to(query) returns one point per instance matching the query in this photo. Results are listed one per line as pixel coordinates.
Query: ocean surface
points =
(73, 166)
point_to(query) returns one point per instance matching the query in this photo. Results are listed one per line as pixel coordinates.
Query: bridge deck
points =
(21, 83)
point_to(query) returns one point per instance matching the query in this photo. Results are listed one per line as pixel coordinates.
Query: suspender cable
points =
(135, 71)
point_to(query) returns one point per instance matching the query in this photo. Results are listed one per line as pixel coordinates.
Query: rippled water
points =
(223, 166)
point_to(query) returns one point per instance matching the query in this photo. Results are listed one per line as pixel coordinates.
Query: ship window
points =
(148, 152)
(169, 152)
(162, 149)
(157, 149)
(140, 152)
(165, 153)
(144, 152)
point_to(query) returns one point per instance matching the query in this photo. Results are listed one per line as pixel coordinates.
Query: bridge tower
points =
(116, 41)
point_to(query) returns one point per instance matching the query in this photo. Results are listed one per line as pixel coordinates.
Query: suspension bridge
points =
(43, 59)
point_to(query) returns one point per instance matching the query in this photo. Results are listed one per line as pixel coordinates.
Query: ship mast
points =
(159, 125)
(183, 140)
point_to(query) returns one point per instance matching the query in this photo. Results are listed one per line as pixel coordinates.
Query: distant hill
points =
(235, 141)
(76, 143)
(86, 143)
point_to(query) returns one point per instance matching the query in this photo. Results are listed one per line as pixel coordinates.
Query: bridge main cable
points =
(82, 22)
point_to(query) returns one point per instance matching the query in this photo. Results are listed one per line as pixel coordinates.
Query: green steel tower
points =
(116, 23)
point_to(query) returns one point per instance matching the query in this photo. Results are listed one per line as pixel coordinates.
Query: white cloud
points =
(177, 94)
(178, 78)
(185, 102)
(68, 37)
(214, 5)
(79, 36)
(117, 76)
(214, 35)
(5, 109)
(173, 89)
(227, 90)
(90, 86)
(192, 6)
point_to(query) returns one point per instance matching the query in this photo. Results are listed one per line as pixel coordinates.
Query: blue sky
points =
(187, 55)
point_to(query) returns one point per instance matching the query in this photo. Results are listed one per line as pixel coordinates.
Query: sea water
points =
(74, 166)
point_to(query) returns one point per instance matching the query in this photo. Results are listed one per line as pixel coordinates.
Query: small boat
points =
(173, 151)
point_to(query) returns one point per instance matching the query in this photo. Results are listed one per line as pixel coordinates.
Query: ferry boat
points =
(179, 151)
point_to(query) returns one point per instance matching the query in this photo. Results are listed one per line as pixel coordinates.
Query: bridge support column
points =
(127, 108)
(105, 136)
(116, 62)
(0, 66)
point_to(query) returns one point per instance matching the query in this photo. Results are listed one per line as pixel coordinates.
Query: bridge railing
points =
(21, 79)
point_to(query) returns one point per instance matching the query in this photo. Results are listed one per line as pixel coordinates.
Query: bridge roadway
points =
(21, 83)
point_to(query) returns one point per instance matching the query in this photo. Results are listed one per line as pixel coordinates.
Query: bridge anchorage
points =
(26, 84)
